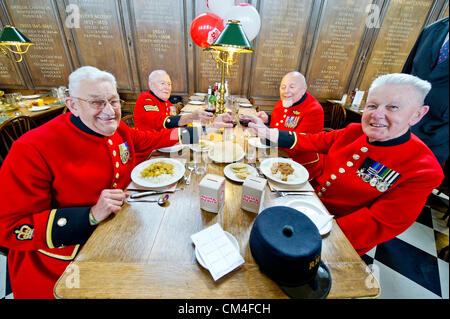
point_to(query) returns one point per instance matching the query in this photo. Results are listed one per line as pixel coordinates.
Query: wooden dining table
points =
(145, 250)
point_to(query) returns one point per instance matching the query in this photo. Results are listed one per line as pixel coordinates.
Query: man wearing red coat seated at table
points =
(154, 111)
(297, 111)
(377, 175)
(64, 177)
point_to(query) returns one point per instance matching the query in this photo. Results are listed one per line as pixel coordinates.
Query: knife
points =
(137, 195)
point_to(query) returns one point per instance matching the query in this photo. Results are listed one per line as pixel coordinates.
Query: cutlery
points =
(147, 193)
(283, 194)
(161, 200)
(188, 179)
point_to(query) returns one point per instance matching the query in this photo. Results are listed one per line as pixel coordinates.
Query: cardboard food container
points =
(253, 191)
(212, 193)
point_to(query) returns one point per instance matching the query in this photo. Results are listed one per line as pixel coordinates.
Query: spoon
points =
(161, 200)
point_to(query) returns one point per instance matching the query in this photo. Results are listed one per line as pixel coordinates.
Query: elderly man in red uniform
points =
(154, 111)
(297, 111)
(66, 176)
(376, 175)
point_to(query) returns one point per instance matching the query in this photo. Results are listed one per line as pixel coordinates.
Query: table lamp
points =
(231, 41)
(14, 41)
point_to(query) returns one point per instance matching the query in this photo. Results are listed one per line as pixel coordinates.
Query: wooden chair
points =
(11, 130)
(337, 118)
(129, 120)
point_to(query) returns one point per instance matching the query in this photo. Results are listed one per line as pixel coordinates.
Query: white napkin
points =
(217, 251)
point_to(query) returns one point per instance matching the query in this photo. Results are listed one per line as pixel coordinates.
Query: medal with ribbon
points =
(377, 175)
(124, 152)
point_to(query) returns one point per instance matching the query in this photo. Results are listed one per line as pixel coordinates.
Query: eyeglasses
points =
(100, 104)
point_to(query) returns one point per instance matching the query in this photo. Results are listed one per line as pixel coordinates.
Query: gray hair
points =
(155, 73)
(88, 73)
(422, 87)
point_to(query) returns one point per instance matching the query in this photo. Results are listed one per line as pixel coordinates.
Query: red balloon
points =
(205, 29)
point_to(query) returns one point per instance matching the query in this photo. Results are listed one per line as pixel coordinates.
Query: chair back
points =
(338, 117)
(11, 130)
(129, 120)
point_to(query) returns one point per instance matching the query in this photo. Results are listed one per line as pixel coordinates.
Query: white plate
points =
(256, 142)
(229, 173)
(245, 104)
(201, 94)
(312, 212)
(27, 97)
(196, 102)
(39, 108)
(178, 173)
(299, 176)
(230, 237)
(197, 148)
(215, 152)
(171, 149)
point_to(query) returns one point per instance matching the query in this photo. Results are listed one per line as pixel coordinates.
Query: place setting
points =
(157, 176)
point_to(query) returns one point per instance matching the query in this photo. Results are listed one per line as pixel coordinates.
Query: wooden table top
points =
(145, 251)
(48, 101)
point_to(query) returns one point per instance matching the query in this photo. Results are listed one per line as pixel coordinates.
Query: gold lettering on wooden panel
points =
(8, 75)
(343, 26)
(280, 43)
(401, 26)
(99, 39)
(47, 60)
(160, 40)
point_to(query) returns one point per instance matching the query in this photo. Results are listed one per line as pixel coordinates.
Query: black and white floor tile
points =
(407, 267)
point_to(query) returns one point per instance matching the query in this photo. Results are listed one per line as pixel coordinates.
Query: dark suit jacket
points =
(422, 62)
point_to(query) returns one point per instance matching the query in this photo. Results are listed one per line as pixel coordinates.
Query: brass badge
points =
(151, 108)
(25, 232)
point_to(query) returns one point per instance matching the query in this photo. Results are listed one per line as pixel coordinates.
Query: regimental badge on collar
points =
(124, 152)
(296, 112)
(292, 122)
(377, 175)
(25, 232)
(150, 108)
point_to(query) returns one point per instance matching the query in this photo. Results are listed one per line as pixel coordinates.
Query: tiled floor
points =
(407, 267)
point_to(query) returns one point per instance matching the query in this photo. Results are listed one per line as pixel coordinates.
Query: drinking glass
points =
(201, 162)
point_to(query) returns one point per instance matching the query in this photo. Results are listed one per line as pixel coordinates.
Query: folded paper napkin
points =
(217, 251)
(305, 187)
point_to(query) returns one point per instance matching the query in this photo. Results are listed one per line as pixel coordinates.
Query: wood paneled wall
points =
(338, 44)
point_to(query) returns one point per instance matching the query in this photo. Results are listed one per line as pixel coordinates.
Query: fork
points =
(190, 167)
(260, 174)
(283, 194)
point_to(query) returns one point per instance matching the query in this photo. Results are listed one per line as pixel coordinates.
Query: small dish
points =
(314, 213)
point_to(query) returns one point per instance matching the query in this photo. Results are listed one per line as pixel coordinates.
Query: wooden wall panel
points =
(400, 28)
(9, 76)
(99, 40)
(47, 61)
(160, 40)
(327, 40)
(343, 24)
(280, 43)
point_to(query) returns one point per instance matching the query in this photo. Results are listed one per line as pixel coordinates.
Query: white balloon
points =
(220, 7)
(249, 18)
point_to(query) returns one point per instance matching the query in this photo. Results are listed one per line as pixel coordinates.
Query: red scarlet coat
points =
(375, 190)
(50, 179)
(151, 113)
(305, 116)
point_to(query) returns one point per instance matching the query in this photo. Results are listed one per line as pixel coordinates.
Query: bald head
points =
(160, 83)
(292, 88)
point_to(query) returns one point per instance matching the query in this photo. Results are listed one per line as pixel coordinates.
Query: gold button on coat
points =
(341, 170)
(364, 149)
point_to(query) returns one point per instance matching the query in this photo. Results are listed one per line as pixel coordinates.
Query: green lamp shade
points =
(232, 38)
(12, 35)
